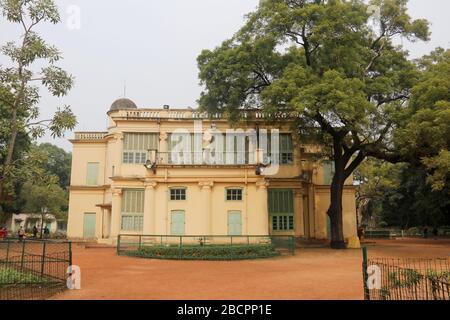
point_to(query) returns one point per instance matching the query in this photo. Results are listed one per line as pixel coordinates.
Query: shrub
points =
(207, 252)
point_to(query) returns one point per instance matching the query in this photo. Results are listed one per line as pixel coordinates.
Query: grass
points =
(206, 252)
(12, 276)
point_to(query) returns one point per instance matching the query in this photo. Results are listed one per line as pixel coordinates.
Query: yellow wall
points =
(206, 208)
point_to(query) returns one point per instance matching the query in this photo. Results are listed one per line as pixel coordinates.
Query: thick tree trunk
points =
(335, 212)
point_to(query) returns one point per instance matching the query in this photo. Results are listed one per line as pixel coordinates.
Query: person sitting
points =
(35, 232)
(46, 232)
(21, 233)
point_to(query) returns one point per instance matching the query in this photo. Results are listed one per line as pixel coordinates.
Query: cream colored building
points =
(126, 181)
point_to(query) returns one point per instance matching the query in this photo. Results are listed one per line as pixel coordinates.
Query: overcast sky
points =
(152, 45)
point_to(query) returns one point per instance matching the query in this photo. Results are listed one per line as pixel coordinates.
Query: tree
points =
(44, 198)
(425, 137)
(399, 196)
(19, 92)
(58, 162)
(330, 63)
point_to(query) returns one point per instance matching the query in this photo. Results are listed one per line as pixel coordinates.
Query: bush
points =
(207, 252)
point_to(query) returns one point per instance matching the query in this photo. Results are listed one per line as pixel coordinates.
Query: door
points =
(89, 226)
(281, 211)
(234, 223)
(177, 223)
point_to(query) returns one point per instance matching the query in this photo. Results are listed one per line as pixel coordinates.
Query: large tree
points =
(32, 65)
(331, 64)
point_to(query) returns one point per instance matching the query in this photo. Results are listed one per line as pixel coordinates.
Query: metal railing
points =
(406, 279)
(205, 247)
(33, 269)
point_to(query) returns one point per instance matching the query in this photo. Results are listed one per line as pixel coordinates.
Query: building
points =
(130, 180)
(29, 220)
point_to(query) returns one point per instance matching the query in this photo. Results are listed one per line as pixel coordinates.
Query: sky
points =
(146, 50)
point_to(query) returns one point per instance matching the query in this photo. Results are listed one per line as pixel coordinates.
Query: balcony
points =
(191, 114)
(90, 136)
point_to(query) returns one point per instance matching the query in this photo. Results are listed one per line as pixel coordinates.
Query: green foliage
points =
(12, 276)
(32, 64)
(425, 137)
(400, 196)
(44, 194)
(57, 162)
(329, 63)
(209, 252)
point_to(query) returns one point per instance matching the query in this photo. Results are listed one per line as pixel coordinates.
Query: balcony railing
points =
(196, 115)
(90, 136)
(207, 158)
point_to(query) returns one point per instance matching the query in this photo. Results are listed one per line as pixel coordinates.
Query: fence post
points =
(180, 254)
(140, 240)
(118, 245)
(70, 253)
(292, 245)
(44, 247)
(7, 251)
(365, 275)
(23, 254)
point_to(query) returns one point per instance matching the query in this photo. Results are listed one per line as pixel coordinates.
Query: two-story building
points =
(135, 179)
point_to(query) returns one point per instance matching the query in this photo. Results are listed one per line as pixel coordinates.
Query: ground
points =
(311, 274)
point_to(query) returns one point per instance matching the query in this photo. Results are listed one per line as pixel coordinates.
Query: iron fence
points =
(406, 279)
(205, 247)
(33, 269)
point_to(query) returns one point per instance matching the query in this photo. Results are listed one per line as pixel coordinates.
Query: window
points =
(137, 145)
(234, 194)
(132, 210)
(286, 149)
(92, 174)
(177, 194)
(281, 209)
(328, 172)
(282, 223)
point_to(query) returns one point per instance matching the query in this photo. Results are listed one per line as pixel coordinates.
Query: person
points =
(21, 233)
(35, 232)
(435, 232)
(425, 232)
(3, 233)
(46, 232)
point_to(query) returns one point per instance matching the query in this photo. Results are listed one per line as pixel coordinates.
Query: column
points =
(118, 152)
(149, 208)
(116, 212)
(312, 211)
(298, 212)
(163, 148)
(206, 190)
(263, 205)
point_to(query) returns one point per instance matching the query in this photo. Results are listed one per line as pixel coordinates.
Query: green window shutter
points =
(328, 172)
(234, 223)
(137, 145)
(281, 209)
(92, 174)
(132, 210)
(177, 225)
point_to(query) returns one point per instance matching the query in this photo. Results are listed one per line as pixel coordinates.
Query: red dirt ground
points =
(310, 274)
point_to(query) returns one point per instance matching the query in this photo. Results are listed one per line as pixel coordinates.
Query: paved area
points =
(310, 274)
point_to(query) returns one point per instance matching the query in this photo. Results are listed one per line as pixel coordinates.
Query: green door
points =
(234, 223)
(177, 223)
(89, 226)
(281, 210)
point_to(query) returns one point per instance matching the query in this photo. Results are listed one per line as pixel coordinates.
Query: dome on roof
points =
(123, 103)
